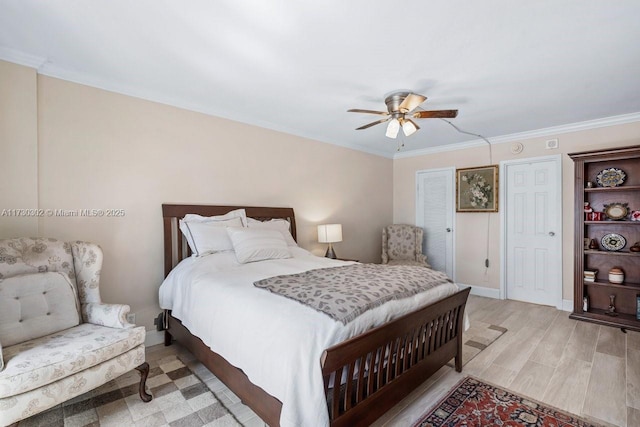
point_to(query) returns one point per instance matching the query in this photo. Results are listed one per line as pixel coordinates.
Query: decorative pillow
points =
(281, 225)
(205, 237)
(251, 244)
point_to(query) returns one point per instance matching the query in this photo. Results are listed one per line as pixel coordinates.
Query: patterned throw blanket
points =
(343, 293)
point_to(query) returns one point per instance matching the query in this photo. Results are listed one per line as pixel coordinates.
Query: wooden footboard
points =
(380, 367)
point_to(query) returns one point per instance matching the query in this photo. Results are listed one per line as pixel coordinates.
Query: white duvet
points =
(277, 342)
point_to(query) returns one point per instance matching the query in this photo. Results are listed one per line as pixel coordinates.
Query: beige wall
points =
(471, 228)
(67, 146)
(101, 150)
(18, 149)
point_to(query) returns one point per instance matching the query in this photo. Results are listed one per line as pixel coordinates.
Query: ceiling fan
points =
(400, 111)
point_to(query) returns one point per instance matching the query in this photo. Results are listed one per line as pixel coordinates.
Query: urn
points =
(616, 276)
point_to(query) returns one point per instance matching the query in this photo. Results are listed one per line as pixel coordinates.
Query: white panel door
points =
(435, 213)
(533, 264)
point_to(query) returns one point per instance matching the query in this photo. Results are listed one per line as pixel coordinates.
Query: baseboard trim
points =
(567, 305)
(153, 338)
(481, 291)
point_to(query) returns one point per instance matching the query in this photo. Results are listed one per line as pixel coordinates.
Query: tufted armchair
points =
(402, 244)
(57, 339)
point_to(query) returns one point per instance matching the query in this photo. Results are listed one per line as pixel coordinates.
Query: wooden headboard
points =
(175, 245)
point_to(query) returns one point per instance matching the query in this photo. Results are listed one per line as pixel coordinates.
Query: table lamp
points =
(330, 233)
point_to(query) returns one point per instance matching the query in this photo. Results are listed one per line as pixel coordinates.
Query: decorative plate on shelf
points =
(613, 242)
(611, 177)
(616, 211)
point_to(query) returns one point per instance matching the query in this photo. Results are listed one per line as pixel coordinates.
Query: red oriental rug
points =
(473, 403)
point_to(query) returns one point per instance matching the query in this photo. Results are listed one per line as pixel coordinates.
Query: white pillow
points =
(281, 225)
(205, 237)
(251, 244)
(191, 218)
(238, 213)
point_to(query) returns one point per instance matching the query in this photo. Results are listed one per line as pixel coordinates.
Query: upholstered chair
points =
(402, 244)
(57, 338)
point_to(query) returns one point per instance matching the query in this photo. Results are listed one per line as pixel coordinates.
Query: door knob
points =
(448, 230)
(551, 233)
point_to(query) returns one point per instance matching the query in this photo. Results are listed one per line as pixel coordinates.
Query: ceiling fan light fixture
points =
(409, 128)
(393, 128)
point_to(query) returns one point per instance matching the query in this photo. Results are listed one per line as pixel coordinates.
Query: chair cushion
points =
(42, 361)
(18, 407)
(35, 305)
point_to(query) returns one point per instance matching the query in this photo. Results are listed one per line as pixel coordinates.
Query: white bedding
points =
(215, 299)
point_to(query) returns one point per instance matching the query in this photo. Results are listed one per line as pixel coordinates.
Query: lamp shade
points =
(409, 128)
(392, 128)
(330, 233)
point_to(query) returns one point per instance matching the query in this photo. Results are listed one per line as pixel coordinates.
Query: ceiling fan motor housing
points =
(394, 100)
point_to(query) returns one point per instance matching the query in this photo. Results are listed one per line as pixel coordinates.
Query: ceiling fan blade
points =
(411, 102)
(439, 114)
(357, 110)
(373, 123)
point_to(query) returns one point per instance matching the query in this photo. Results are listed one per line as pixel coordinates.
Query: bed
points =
(360, 376)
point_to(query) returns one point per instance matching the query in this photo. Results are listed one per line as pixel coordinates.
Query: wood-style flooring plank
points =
(607, 395)
(633, 417)
(633, 378)
(582, 343)
(611, 341)
(524, 344)
(568, 385)
(532, 380)
(549, 351)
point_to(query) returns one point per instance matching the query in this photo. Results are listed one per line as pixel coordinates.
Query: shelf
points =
(614, 189)
(634, 287)
(599, 316)
(614, 253)
(612, 222)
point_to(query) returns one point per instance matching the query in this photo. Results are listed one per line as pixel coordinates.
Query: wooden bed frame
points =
(397, 356)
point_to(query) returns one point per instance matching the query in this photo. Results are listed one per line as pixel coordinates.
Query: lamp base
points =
(330, 252)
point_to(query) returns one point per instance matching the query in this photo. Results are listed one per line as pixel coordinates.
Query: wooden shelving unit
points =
(587, 166)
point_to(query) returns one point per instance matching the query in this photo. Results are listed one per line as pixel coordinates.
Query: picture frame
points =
(477, 189)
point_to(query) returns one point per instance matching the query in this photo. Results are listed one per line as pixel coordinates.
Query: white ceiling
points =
(509, 67)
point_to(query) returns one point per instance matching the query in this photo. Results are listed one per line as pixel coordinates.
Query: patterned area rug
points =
(478, 337)
(180, 399)
(475, 403)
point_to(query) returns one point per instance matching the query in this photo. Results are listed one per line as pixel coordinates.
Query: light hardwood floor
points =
(586, 369)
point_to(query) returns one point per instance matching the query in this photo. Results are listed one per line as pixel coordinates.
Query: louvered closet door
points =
(435, 213)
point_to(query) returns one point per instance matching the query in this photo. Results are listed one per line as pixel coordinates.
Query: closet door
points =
(532, 209)
(435, 213)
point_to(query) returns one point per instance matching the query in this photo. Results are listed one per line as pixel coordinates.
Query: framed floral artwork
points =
(477, 189)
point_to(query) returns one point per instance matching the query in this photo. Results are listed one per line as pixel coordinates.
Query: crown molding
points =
(21, 58)
(503, 139)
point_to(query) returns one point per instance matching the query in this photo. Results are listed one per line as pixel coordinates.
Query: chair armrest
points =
(110, 315)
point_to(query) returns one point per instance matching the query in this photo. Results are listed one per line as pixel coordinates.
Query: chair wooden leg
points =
(144, 372)
(167, 338)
